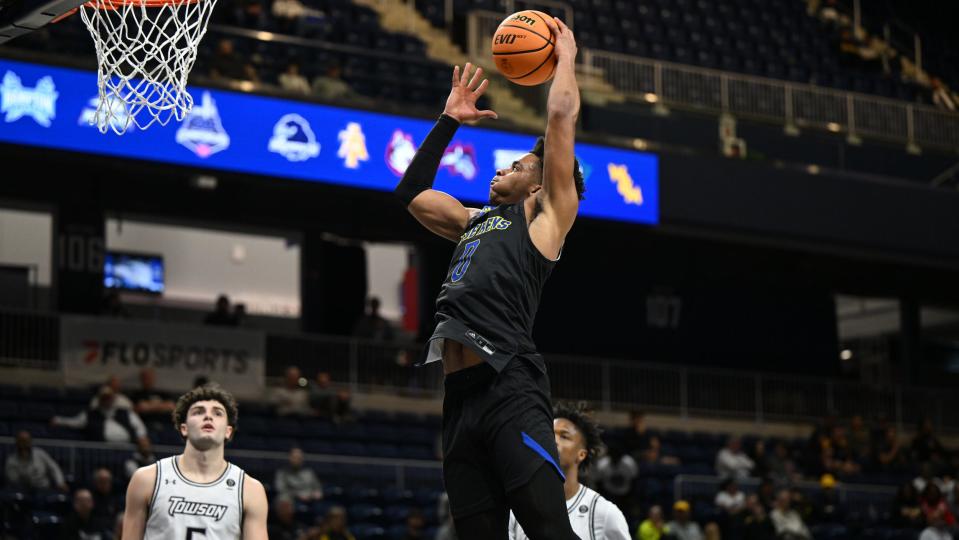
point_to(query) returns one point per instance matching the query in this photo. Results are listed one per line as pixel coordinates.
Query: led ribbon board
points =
(51, 107)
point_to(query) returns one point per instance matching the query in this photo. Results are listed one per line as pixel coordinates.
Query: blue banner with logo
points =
(52, 107)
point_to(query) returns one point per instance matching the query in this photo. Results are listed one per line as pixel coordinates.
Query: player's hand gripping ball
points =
(523, 48)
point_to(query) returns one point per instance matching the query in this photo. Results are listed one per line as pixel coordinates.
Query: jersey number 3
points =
(460, 269)
(194, 533)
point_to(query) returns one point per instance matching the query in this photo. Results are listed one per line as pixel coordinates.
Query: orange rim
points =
(115, 4)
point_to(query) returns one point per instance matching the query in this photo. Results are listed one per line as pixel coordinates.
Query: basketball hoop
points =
(145, 51)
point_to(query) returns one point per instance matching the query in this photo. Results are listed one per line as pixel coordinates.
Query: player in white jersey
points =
(578, 442)
(197, 495)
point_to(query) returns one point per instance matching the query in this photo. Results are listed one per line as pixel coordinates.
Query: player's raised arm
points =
(561, 200)
(438, 211)
(255, 510)
(139, 495)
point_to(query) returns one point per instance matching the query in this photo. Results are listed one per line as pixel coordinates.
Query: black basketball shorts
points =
(497, 432)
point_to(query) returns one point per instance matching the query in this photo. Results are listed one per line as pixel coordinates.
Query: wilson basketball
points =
(523, 48)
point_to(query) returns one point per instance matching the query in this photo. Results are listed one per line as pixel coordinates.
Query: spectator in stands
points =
(937, 529)
(228, 64)
(653, 454)
(220, 316)
(154, 406)
(142, 457)
(759, 454)
(112, 306)
(831, 464)
(330, 86)
(292, 398)
(446, 530)
(766, 493)
(878, 431)
(119, 398)
(372, 325)
(682, 527)
(105, 422)
(283, 526)
(828, 508)
(730, 499)
(653, 527)
(731, 462)
(801, 504)
(757, 525)
(712, 531)
(240, 319)
(925, 477)
(106, 502)
(860, 443)
(297, 481)
(288, 11)
(327, 401)
(789, 525)
(925, 446)
(32, 469)
(335, 525)
(843, 459)
(947, 485)
(288, 15)
(249, 13)
(780, 467)
(637, 438)
(954, 505)
(615, 475)
(292, 81)
(415, 525)
(906, 510)
(932, 502)
(80, 524)
(941, 97)
(819, 439)
(890, 456)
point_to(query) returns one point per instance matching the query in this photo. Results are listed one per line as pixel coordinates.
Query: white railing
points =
(720, 92)
(78, 458)
(689, 486)
(31, 340)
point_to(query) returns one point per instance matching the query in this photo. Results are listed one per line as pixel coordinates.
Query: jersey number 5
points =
(193, 533)
(460, 269)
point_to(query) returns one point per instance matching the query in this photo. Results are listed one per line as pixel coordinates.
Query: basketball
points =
(523, 48)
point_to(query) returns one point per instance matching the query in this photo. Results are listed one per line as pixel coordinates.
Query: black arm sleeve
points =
(420, 174)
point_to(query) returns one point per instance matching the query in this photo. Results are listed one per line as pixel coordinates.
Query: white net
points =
(145, 51)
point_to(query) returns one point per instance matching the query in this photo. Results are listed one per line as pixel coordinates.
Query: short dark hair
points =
(581, 417)
(539, 149)
(207, 392)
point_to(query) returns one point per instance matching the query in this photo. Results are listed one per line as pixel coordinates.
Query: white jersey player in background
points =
(197, 495)
(578, 442)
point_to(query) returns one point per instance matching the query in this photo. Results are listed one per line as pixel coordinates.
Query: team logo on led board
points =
(627, 189)
(399, 152)
(460, 160)
(293, 138)
(202, 131)
(352, 146)
(17, 100)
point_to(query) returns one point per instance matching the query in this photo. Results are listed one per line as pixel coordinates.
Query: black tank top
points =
(492, 289)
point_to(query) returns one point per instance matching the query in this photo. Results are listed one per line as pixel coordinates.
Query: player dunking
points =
(578, 441)
(197, 495)
(499, 452)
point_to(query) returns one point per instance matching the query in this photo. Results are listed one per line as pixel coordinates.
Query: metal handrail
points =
(790, 104)
(611, 385)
